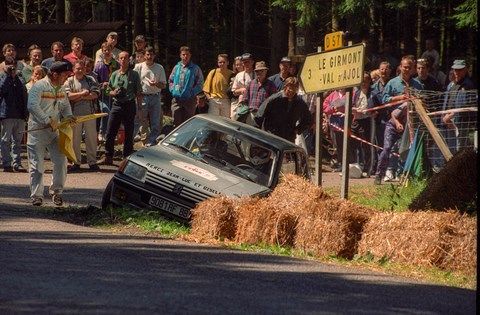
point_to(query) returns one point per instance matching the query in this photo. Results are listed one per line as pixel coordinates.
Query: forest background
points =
(269, 29)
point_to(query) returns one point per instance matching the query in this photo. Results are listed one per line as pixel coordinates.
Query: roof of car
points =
(253, 132)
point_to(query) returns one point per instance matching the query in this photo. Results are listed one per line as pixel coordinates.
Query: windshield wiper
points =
(230, 167)
(187, 150)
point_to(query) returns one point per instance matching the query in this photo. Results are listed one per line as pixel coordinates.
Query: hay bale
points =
(454, 187)
(461, 245)
(333, 227)
(273, 220)
(407, 237)
(215, 218)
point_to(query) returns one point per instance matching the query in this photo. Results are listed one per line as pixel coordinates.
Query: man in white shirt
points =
(153, 80)
(112, 39)
(240, 84)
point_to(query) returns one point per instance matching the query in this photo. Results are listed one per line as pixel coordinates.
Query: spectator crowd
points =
(38, 93)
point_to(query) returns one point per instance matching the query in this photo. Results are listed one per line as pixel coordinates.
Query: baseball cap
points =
(247, 56)
(112, 34)
(140, 38)
(285, 59)
(459, 64)
(260, 65)
(60, 66)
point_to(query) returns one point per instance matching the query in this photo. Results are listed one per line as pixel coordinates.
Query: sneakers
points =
(378, 180)
(75, 168)
(101, 138)
(37, 201)
(19, 168)
(137, 138)
(94, 168)
(57, 200)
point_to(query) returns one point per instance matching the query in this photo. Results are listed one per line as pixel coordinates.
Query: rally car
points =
(206, 156)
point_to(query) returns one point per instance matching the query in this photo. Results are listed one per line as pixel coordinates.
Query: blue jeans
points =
(391, 137)
(11, 140)
(151, 106)
(105, 104)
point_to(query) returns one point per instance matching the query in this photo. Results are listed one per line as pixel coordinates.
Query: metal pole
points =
(346, 141)
(318, 139)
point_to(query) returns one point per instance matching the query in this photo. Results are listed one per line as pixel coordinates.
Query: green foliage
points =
(391, 197)
(307, 10)
(466, 15)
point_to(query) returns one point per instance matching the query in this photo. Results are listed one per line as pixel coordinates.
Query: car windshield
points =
(233, 152)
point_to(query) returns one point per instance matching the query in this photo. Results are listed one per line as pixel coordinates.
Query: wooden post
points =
(422, 113)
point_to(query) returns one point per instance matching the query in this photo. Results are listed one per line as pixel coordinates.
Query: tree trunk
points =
(3, 11)
(443, 31)
(418, 37)
(60, 11)
(247, 20)
(155, 8)
(68, 11)
(335, 20)
(278, 40)
(26, 13)
(291, 33)
(139, 17)
(128, 9)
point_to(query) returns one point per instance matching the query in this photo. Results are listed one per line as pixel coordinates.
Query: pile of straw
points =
(273, 220)
(421, 238)
(334, 227)
(215, 218)
(454, 187)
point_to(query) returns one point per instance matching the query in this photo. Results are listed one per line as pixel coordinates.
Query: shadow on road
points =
(98, 272)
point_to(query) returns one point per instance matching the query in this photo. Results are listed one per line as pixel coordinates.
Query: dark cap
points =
(112, 34)
(60, 66)
(140, 38)
(285, 59)
(247, 56)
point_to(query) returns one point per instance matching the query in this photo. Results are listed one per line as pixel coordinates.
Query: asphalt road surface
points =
(49, 266)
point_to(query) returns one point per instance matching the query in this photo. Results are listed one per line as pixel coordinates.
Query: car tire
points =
(106, 203)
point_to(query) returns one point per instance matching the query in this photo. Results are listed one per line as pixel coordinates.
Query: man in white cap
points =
(47, 105)
(112, 39)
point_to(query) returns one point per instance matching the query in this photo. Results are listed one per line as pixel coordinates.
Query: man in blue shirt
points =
(397, 89)
(185, 83)
(279, 78)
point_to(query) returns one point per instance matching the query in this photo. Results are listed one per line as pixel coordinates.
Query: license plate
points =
(168, 206)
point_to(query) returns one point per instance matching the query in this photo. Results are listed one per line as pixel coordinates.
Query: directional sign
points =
(335, 69)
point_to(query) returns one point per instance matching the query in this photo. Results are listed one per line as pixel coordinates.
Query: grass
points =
(387, 197)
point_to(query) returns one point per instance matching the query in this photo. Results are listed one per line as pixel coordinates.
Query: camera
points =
(122, 92)
(10, 69)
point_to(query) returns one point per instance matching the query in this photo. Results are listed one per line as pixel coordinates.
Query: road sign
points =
(335, 69)
(333, 41)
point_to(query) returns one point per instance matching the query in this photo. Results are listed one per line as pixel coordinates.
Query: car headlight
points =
(135, 171)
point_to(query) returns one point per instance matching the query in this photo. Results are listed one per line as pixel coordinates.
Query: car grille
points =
(168, 185)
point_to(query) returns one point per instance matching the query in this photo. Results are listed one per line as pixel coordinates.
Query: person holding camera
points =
(13, 114)
(124, 87)
(47, 105)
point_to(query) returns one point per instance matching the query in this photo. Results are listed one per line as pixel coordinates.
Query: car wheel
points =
(106, 203)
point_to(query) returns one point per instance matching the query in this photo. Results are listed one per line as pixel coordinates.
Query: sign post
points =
(336, 68)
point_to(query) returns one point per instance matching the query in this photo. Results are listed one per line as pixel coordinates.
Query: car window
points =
(223, 148)
(289, 163)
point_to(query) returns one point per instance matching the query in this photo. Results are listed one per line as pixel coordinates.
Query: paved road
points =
(49, 266)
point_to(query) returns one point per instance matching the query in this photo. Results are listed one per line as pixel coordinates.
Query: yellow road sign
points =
(331, 70)
(333, 41)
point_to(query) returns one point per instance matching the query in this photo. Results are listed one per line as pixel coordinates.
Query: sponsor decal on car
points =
(195, 170)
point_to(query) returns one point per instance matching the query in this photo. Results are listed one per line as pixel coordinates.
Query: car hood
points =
(187, 171)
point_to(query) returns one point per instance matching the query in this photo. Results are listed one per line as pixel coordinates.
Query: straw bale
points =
(273, 220)
(461, 245)
(455, 186)
(215, 218)
(409, 237)
(334, 227)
